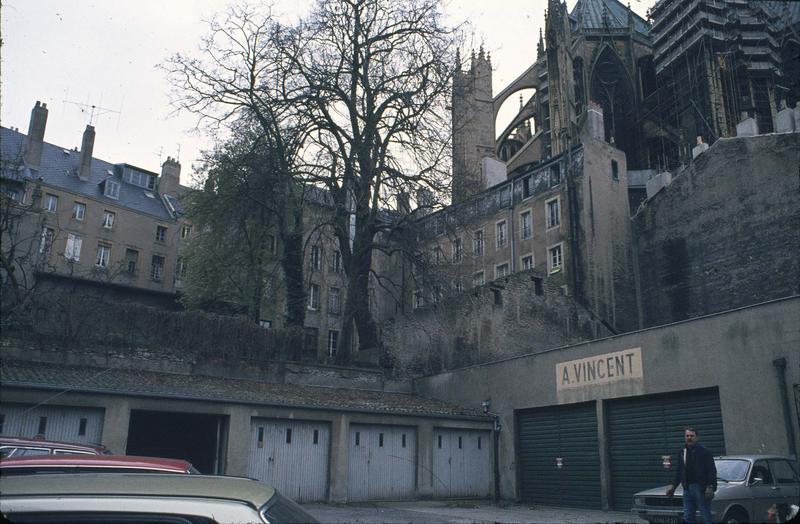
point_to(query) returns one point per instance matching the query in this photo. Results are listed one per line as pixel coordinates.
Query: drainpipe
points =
(780, 370)
(496, 427)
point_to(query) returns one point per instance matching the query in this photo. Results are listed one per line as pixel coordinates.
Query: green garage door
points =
(553, 436)
(643, 430)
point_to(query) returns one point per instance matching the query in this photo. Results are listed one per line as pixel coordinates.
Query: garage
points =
(197, 437)
(462, 463)
(558, 457)
(382, 462)
(292, 456)
(644, 430)
(64, 423)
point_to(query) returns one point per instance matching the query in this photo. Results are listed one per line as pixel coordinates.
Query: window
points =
(336, 262)
(527, 262)
(157, 268)
(525, 225)
(419, 299)
(82, 427)
(79, 211)
(12, 194)
(316, 436)
(333, 342)
(260, 438)
(103, 254)
(403, 439)
(313, 297)
(48, 235)
(73, 249)
(553, 210)
(358, 438)
(457, 250)
(42, 426)
(266, 324)
(108, 219)
(538, 286)
(288, 435)
(478, 279)
(180, 270)
(783, 472)
(527, 190)
(131, 259)
(555, 175)
(334, 301)
(554, 259)
(310, 337)
(186, 230)
(111, 189)
(161, 233)
(501, 270)
(614, 170)
(477, 243)
(502, 233)
(50, 203)
(380, 440)
(316, 258)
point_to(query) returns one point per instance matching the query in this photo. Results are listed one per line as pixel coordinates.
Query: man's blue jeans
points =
(694, 499)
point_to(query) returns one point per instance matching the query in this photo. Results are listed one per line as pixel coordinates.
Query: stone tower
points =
(473, 124)
(561, 82)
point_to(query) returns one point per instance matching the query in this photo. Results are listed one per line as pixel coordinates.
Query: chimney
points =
(595, 126)
(170, 176)
(87, 147)
(35, 139)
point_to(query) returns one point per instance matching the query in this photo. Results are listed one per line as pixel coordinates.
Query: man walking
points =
(697, 474)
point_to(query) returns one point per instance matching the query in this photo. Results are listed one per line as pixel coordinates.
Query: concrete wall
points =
(118, 413)
(733, 351)
(724, 234)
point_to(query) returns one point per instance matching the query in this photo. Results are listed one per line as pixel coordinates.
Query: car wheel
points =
(736, 516)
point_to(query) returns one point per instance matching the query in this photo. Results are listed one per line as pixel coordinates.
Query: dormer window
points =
(111, 189)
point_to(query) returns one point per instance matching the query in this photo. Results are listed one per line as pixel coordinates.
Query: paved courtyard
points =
(458, 512)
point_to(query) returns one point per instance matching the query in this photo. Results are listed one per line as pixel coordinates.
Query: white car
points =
(747, 487)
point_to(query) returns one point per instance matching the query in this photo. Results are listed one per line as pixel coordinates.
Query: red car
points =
(93, 464)
(19, 446)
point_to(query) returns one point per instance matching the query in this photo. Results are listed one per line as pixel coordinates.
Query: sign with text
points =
(599, 370)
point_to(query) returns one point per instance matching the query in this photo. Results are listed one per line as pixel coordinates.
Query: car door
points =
(787, 484)
(764, 493)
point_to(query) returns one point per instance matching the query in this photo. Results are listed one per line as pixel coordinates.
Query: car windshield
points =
(731, 469)
(281, 510)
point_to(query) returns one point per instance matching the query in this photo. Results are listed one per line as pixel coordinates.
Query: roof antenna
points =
(160, 154)
(93, 110)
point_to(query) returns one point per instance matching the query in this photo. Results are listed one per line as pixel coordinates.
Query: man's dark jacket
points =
(703, 467)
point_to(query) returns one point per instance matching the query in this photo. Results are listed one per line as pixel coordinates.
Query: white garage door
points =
(462, 463)
(64, 423)
(291, 456)
(381, 463)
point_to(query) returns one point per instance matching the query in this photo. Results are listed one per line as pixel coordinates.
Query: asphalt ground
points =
(460, 512)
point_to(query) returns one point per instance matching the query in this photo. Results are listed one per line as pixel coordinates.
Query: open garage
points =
(198, 438)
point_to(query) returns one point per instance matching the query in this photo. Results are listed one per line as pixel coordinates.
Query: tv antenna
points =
(94, 111)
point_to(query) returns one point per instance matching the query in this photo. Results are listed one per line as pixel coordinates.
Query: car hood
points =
(662, 490)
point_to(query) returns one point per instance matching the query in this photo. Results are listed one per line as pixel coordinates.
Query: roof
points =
(58, 169)
(166, 385)
(97, 461)
(22, 441)
(251, 491)
(785, 11)
(591, 14)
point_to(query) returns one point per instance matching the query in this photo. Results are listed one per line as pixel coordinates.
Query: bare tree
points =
(242, 74)
(376, 75)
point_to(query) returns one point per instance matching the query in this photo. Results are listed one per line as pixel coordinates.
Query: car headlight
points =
(638, 501)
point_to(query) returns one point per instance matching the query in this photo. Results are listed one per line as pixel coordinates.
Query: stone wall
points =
(518, 314)
(725, 233)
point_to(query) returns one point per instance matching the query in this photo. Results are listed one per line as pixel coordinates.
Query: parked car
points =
(747, 486)
(20, 446)
(31, 465)
(103, 498)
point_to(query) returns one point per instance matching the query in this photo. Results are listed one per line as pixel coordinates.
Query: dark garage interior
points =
(198, 438)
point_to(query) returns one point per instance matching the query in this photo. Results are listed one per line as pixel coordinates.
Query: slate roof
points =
(592, 15)
(58, 169)
(14, 373)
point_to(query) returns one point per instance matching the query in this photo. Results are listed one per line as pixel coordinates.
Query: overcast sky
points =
(72, 54)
